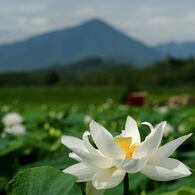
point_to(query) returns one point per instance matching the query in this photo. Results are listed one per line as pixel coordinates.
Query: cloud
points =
(190, 16)
(85, 12)
(21, 20)
(159, 20)
(29, 7)
(39, 21)
(153, 21)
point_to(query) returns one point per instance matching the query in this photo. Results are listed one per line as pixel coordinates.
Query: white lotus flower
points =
(17, 129)
(11, 119)
(106, 164)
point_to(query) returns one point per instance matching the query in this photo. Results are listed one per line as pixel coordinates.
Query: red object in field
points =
(136, 99)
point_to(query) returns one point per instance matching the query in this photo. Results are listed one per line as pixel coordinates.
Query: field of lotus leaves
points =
(31, 161)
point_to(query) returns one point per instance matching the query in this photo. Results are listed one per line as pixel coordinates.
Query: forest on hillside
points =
(96, 72)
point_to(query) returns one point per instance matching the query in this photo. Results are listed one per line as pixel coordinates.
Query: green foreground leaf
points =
(42, 180)
(185, 190)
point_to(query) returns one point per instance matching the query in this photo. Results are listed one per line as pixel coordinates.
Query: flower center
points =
(125, 143)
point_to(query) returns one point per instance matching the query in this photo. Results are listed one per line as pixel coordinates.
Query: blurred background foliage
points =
(47, 121)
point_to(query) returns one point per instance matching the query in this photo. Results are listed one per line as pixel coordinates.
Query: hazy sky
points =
(152, 21)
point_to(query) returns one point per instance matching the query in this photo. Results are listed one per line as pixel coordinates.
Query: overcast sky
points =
(151, 21)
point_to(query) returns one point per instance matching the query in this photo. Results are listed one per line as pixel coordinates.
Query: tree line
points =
(95, 72)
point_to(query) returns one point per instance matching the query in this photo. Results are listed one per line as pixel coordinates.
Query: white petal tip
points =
(190, 134)
(190, 173)
(92, 123)
(161, 125)
(164, 123)
(65, 171)
(187, 136)
(63, 139)
(130, 118)
(86, 133)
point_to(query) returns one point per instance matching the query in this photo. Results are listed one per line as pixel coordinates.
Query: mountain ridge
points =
(93, 38)
(178, 50)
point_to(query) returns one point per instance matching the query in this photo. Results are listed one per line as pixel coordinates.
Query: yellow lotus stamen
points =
(125, 144)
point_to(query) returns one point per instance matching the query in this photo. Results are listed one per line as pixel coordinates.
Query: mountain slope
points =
(92, 38)
(7, 36)
(179, 50)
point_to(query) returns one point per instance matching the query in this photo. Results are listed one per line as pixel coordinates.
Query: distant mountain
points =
(93, 38)
(7, 36)
(178, 50)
